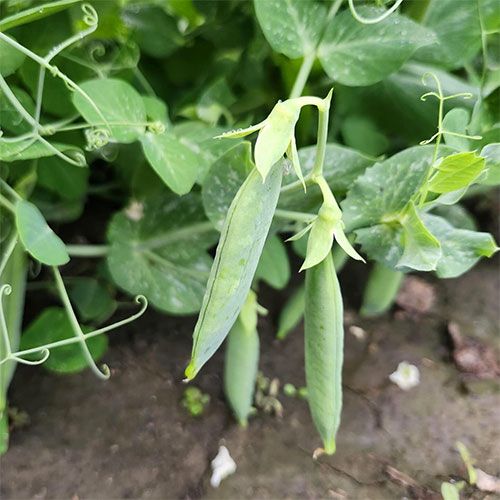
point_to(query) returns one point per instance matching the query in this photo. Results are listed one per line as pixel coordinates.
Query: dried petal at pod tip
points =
(223, 466)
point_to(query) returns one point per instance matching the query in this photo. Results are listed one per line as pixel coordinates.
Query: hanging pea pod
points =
(242, 238)
(381, 290)
(324, 343)
(242, 361)
(292, 313)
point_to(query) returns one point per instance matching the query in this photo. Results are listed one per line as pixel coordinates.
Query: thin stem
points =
(15, 102)
(7, 204)
(5, 290)
(10, 190)
(76, 326)
(8, 252)
(87, 250)
(303, 75)
(296, 216)
(323, 115)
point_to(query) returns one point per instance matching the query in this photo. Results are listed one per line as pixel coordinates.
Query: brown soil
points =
(130, 437)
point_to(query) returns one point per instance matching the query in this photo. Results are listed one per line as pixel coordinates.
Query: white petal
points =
(406, 376)
(222, 466)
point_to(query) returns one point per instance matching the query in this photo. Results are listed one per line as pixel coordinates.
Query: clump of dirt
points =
(130, 437)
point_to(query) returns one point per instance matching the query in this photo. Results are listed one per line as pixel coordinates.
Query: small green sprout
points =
(195, 401)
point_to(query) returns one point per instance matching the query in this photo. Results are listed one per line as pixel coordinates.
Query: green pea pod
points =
(381, 290)
(324, 342)
(242, 361)
(292, 313)
(242, 238)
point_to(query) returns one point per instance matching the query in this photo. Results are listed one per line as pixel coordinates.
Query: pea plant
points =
(146, 107)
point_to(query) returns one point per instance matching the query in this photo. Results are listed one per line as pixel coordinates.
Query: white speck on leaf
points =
(135, 211)
(222, 466)
(406, 376)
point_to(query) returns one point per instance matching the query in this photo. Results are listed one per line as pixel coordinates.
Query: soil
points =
(131, 438)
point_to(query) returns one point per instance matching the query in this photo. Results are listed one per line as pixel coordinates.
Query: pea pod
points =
(381, 290)
(292, 313)
(243, 236)
(242, 360)
(324, 342)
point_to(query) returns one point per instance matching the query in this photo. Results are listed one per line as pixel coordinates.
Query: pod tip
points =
(190, 372)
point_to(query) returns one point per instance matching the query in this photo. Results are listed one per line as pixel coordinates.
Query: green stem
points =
(61, 289)
(8, 252)
(7, 204)
(323, 115)
(296, 216)
(303, 75)
(87, 250)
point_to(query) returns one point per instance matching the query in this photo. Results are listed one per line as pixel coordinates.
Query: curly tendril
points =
(96, 50)
(374, 20)
(96, 138)
(90, 17)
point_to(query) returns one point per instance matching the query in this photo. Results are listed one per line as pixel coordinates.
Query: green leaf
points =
(458, 31)
(173, 161)
(319, 243)
(382, 243)
(223, 180)
(456, 120)
(274, 267)
(292, 27)
(159, 249)
(10, 119)
(92, 300)
(240, 246)
(449, 491)
(58, 176)
(357, 54)
(385, 188)
(422, 250)
(275, 136)
(119, 103)
(35, 13)
(491, 153)
(10, 58)
(363, 134)
(156, 109)
(29, 149)
(37, 237)
(461, 248)
(456, 172)
(52, 325)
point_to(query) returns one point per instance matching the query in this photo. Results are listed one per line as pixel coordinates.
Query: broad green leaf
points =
(62, 178)
(119, 103)
(491, 153)
(292, 27)
(175, 163)
(461, 248)
(156, 109)
(357, 54)
(200, 138)
(37, 237)
(456, 121)
(456, 215)
(159, 249)
(156, 33)
(92, 299)
(382, 243)
(362, 134)
(456, 172)
(240, 246)
(52, 325)
(274, 267)
(292, 312)
(223, 180)
(29, 149)
(10, 119)
(422, 250)
(450, 491)
(490, 15)
(458, 31)
(35, 13)
(215, 102)
(10, 58)
(385, 188)
(275, 136)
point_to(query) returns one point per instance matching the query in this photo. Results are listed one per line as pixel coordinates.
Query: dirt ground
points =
(131, 438)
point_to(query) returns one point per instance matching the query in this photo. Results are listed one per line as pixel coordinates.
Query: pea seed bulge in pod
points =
(248, 249)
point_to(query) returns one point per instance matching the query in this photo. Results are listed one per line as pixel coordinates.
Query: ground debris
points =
(473, 357)
(487, 482)
(416, 296)
(414, 489)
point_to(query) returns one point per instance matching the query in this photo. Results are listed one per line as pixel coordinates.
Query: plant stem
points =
(303, 75)
(323, 114)
(296, 216)
(87, 250)
(7, 204)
